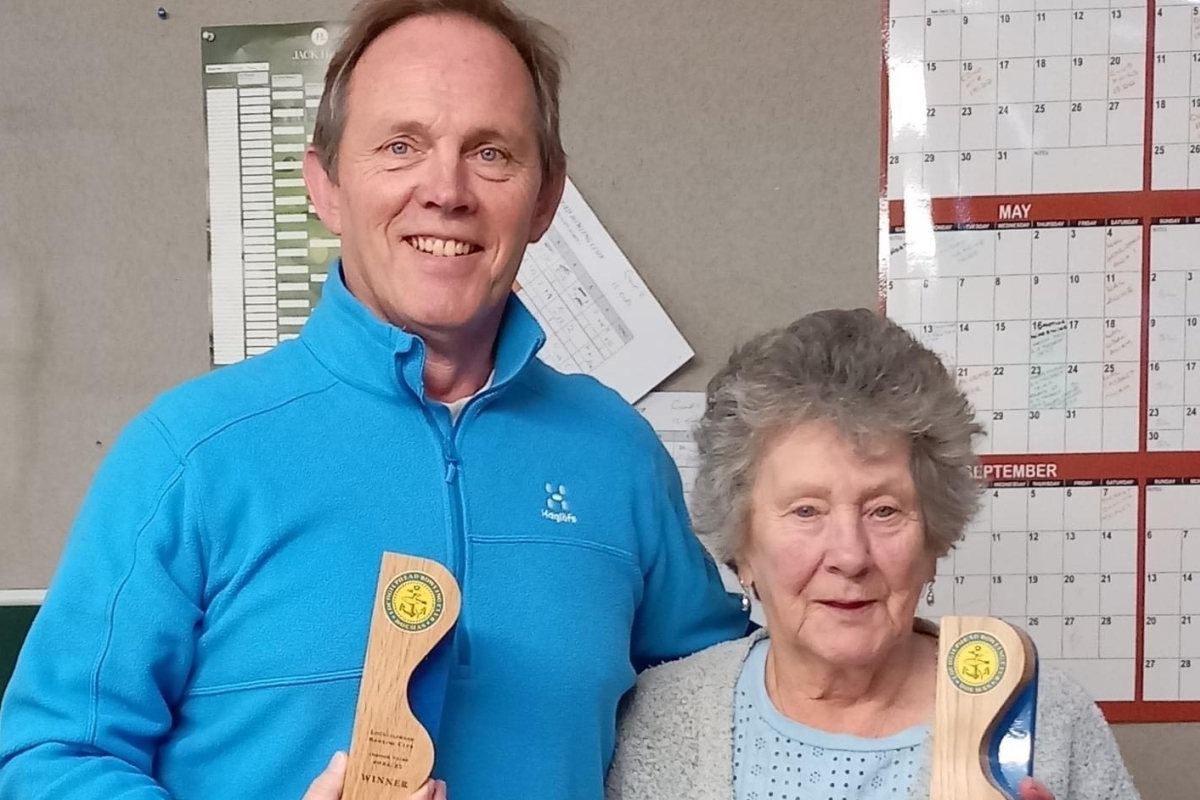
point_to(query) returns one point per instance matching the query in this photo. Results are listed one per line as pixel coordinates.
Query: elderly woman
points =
(834, 473)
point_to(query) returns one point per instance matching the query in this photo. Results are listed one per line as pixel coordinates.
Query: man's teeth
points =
(440, 247)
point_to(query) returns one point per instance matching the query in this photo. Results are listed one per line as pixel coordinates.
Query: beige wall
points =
(731, 148)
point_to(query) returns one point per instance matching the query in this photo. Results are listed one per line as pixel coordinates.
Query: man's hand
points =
(328, 785)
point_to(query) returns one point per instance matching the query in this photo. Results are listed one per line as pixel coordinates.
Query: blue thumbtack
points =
(162, 13)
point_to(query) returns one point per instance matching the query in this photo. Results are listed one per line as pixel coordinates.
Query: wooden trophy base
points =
(391, 753)
(986, 701)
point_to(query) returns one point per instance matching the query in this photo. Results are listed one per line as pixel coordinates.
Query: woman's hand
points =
(328, 785)
(1031, 789)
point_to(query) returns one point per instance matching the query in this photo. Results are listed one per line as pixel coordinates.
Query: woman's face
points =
(836, 547)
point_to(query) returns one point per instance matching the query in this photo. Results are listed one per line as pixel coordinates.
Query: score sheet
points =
(1039, 230)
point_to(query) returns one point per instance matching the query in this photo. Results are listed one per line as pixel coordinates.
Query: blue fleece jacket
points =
(204, 635)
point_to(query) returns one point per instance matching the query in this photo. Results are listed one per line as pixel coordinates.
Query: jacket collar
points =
(383, 358)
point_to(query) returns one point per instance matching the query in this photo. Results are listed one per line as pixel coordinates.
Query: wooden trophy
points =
(391, 749)
(985, 710)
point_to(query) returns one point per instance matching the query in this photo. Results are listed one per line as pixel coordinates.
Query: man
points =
(204, 635)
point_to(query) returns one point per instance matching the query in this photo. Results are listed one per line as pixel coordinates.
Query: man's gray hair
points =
(859, 371)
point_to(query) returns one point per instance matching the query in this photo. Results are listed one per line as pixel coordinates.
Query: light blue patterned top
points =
(775, 758)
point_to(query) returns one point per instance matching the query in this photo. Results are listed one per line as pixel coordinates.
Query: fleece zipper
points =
(458, 549)
(458, 515)
(456, 535)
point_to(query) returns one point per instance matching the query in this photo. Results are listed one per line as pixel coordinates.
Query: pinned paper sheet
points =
(598, 314)
(270, 253)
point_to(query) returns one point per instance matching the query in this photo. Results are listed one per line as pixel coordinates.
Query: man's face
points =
(440, 186)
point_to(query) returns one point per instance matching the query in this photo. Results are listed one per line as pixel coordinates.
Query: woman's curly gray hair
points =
(858, 370)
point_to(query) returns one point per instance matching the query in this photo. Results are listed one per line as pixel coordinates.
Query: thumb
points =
(1033, 789)
(430, 790)
(328, 785)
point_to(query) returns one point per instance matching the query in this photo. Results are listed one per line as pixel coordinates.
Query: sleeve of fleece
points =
(1097, 769)
(685, 606)
(112, 645)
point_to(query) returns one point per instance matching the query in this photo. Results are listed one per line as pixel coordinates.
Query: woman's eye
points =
(400, 148)
(885, 512)
(806, 512)
(490, 155)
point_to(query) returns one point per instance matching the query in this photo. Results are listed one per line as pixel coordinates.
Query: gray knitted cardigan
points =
(675, 737)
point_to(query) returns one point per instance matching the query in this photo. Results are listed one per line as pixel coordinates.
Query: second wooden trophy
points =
(392, 750)
(985, 710)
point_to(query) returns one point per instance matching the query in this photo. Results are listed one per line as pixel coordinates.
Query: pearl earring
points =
(745, 597)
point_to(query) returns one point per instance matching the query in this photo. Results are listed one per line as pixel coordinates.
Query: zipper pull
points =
(451, 468)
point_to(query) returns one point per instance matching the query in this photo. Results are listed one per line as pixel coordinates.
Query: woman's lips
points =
(847, 605)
